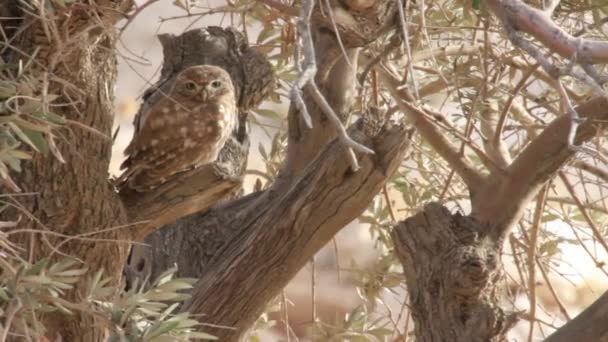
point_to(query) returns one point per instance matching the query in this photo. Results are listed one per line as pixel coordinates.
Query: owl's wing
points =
(174, 140)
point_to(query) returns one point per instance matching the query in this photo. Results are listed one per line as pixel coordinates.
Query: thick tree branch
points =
(251, 247)
(189, 192)
(589, 325)
(282, 228)
(539, 24)
(503, 198)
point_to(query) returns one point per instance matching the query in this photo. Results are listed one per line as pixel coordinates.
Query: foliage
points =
(26, 119)
(144, 313)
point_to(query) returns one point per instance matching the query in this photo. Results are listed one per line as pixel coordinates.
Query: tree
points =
(520, 86)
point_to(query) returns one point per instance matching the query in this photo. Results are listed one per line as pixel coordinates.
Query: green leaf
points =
(37, 267)
(268, 113)
(54, 118)
(476, 4)
(23, 136)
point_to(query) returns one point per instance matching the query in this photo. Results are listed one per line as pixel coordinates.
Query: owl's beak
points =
(204, 94)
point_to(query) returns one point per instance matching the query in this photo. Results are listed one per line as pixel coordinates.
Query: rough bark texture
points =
(74, 197)
(266, 242)
(452, 271)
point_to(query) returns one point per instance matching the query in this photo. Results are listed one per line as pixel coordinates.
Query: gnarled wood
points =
(265, 243)
(452, 270)
(247, 250)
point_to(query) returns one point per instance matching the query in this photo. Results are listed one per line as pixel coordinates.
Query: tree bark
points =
(74, 197)
(453, 272)
(589, 325)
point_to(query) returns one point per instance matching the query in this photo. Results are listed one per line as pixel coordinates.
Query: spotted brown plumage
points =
(183, 130)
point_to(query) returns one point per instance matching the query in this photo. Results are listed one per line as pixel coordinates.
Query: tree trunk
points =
(74, 197)
(453, 275)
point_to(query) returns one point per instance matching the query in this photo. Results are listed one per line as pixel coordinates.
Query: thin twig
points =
(306, 78)
(538, 214)
(406, 40)
(309, 69)
(596, 230)
(134, 15)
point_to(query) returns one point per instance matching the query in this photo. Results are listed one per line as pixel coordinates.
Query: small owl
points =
(183, 130)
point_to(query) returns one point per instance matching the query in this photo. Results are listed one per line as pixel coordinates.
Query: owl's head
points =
(204, 83)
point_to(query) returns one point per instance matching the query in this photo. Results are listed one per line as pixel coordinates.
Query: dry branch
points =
(589, 325)
(538, 23)
(433, 136)
(503, 198)
(279, 230)
(189, 192)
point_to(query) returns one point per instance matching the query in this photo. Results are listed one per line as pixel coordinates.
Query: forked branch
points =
(504, 197)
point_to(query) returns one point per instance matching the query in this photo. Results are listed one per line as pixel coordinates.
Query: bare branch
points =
(599, 172)
(307, 77)
(504, 197)
(538, 24)
(589, 325)
(472, 178)
(277, 225)
(187, 193)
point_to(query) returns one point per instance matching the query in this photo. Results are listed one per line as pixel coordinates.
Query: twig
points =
(592, 169)
(471, 177)
(550, 6)
(406, 40)
(10, 315)
(291, 11)
(538, 214)
(596, 230)
(306, 78)
(137, 11)
(558, 301)
(308, 71)
(389, 205)
(337, 32)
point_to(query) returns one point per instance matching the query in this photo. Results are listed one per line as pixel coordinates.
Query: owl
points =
(186, 128)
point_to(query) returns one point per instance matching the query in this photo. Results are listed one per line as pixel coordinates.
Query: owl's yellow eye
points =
(216, 84)
(190, 86)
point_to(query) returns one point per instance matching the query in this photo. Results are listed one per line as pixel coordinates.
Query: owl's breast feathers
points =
(177, 137)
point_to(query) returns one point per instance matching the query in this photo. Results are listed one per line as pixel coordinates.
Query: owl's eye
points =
(216, 84)
(190, 86)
